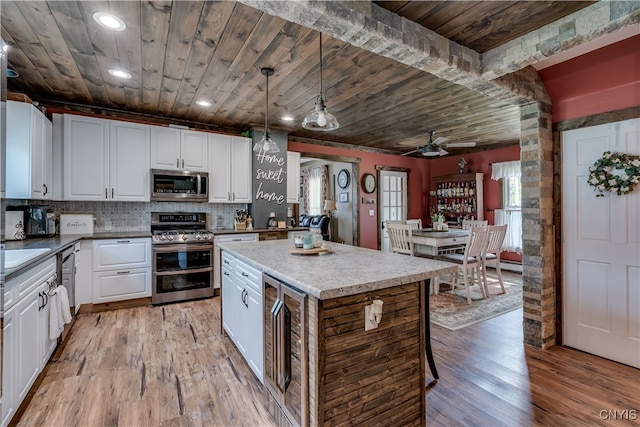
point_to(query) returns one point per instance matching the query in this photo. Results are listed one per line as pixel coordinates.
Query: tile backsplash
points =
(135, 216)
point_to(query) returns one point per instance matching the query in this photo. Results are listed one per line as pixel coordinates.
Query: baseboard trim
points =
(511, 266)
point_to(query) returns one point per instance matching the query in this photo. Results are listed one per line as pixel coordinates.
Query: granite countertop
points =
(346, 270)
(59, 243)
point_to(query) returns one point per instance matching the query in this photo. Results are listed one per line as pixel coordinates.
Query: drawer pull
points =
(245, 274)
(226, 262)
(123, 241)
(236, 240)
(225, 273)
(123, 272)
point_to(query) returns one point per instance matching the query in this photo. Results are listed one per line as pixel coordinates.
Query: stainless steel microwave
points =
(179, 185)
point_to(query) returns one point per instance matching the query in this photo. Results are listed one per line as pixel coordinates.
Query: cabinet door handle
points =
(112, 192)
(124, 272)
(177, 163)
(244, 274)
(225, 273)
(226, 262)
(234, 195)
(40, 305)
(45, 189)
(182, 163)
(106, 193)
(229, 196)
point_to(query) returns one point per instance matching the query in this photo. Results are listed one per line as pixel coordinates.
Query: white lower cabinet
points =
(121, 269)
(9, 366)
(121, 285)
(242, 310)
(26, 345)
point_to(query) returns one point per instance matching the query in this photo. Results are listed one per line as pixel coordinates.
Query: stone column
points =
(538, 260)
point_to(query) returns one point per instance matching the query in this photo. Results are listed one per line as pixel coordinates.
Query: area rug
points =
(450, 309)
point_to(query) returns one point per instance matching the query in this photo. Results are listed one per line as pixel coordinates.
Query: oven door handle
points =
(181, 247)
(185, 271)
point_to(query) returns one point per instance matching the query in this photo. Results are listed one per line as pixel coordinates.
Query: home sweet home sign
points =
(269, 181)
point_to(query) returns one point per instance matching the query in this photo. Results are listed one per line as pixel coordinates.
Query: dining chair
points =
(400, 237)
(491, 254)
(415, 223)
(469, 263)
(468, 223)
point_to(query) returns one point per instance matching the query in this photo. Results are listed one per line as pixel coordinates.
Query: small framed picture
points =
(344, 198)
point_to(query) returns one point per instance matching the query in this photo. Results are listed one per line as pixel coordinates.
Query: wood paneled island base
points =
(347, 375)
(375, 377)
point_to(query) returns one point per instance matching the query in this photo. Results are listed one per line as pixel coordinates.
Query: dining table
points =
(427, 241)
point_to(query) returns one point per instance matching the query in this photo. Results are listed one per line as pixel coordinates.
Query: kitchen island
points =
(348, 375)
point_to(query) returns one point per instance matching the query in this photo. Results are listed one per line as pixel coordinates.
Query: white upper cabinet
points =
(29, 167)
(105, 160)
(129, 162)
(230, 174)
(293, 177)
(85, 154)
(179, 149)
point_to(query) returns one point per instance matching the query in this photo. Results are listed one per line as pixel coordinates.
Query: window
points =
(511, 193)
(510, 214)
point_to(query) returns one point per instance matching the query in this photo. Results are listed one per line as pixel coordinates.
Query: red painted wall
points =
(607, 79)
(418, 184)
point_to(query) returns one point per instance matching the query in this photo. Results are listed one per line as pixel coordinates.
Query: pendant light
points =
(266, 144)
(320, 118)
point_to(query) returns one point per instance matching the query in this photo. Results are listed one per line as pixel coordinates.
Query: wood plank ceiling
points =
(179, 52)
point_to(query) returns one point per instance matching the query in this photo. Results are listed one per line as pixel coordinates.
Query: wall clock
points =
(368, 183)
(343, 178)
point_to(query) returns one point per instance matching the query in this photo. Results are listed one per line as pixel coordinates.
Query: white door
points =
(393, 201)
(601, 249)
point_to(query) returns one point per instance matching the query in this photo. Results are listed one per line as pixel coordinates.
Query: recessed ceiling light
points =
(119, 73)
(108, 21)
(204, 103)
(287, 118)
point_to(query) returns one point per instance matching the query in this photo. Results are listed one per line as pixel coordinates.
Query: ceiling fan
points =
(436, 148)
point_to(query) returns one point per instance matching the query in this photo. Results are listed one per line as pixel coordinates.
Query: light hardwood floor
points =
(170, 366)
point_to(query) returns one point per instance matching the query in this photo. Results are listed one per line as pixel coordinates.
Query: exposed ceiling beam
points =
(602, 22)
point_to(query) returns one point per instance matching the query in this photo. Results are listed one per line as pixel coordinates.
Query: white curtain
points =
(505, 170)
(513, 219)
(315, 191)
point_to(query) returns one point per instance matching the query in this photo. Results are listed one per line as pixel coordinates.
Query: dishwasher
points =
(67, 273)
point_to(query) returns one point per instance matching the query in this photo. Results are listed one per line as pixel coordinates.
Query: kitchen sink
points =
(16, 257)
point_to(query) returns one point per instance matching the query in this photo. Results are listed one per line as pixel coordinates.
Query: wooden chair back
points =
(468, 223)
(400, 238)
(476, 243)
(495, 239)
(416, 224)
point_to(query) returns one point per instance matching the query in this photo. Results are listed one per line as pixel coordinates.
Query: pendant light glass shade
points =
(266, 144)
(320, 119)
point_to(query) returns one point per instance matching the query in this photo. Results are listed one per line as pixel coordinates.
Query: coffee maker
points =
(39, 221)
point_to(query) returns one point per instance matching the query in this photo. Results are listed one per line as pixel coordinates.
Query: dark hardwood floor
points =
(170, 366)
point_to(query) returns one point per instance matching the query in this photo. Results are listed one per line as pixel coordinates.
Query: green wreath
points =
(615, 172)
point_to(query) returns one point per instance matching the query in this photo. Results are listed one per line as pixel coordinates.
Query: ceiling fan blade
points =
(460, 145)
(443, 152)
(439, 140)
(410, 152)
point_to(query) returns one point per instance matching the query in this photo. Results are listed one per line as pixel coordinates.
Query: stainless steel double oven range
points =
(182, 257)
